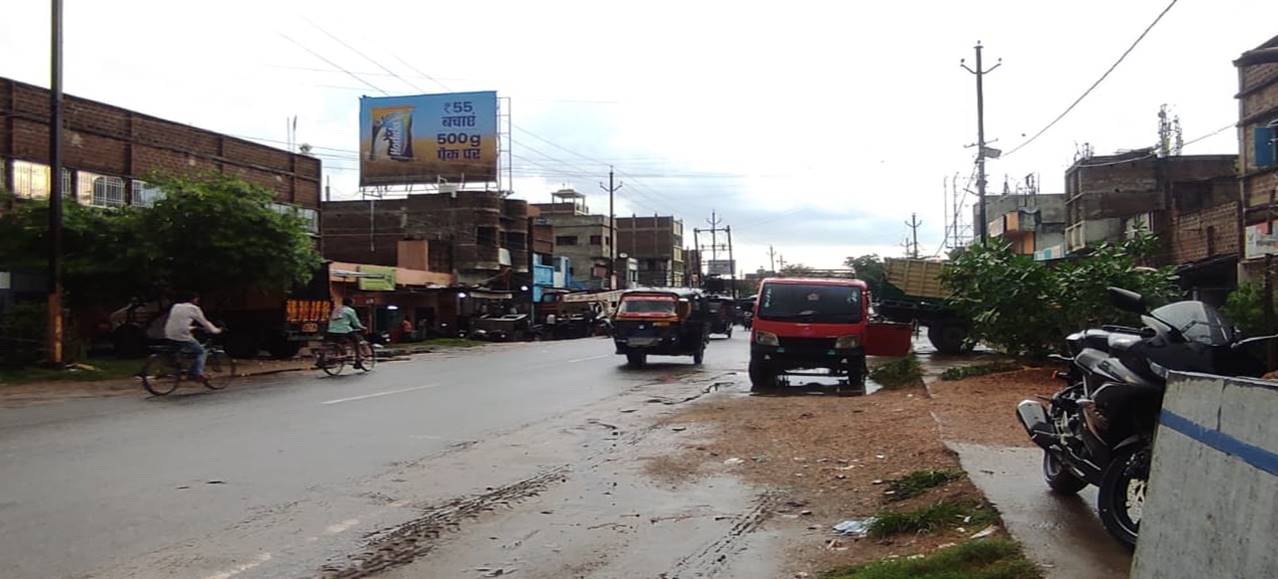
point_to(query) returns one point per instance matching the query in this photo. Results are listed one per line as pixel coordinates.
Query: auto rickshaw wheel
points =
(636, 359)
(699, 355)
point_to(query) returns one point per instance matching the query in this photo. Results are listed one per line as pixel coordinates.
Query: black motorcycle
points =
(1100, 428)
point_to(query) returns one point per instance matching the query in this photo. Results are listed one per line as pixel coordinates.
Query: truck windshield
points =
(829, 304)
(648, 305)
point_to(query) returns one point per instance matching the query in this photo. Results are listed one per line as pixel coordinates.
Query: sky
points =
(816, 128)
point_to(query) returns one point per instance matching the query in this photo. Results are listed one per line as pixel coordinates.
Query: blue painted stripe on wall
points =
(1251, 454)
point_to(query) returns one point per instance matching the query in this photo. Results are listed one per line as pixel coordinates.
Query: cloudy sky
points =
(815, 127)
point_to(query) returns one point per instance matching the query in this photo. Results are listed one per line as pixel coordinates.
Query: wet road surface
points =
(1061, 533)
(279, 476)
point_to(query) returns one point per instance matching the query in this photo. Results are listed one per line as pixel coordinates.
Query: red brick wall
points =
(1190, 234)
(113, 141)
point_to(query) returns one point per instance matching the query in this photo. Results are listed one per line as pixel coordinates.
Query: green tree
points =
(870, 269)
(210, 233)
(98, 259)
(1025, 307)
(1244, 309)
(794, 270)
(217, 233)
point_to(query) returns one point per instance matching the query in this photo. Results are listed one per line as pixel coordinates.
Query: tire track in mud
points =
(404, 543)
(711, 559)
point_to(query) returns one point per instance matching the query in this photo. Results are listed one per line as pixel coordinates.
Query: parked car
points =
(818, 327)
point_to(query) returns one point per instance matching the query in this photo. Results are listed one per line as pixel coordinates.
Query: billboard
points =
(428, 138)
(1260, 240)
(719, 267)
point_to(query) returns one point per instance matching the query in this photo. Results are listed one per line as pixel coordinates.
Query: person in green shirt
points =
(344, 327)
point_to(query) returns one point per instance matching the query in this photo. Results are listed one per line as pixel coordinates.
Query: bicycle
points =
(333, 355)
(169, 365)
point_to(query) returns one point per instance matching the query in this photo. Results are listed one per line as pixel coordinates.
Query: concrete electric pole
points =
(612, 233)
(981, 151)
(913, 224)
(55, 191)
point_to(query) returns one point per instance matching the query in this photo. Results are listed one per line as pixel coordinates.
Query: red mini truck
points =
(818, 327)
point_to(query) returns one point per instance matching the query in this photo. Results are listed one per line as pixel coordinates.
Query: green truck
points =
(913, 294)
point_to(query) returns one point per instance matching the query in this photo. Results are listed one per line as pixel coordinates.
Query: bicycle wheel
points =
(330, 358)
(160, 375)
(220, 369)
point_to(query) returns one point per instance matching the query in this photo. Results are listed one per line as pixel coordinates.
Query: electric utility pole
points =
(772, 259)
(55, 191)
(612, 233)
(914, 224)
(980, 137)
(732, 263)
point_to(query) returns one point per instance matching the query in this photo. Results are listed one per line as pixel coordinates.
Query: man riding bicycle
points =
(177, 329)
(344, 328)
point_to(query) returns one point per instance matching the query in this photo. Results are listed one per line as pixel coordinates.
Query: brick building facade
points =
(109, 151)
(480, 236)
(1107, 197)
(1258, 144)
(657, 243)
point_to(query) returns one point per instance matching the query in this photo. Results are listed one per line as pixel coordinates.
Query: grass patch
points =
(986, 559)
(898, 373)
(452, 343)
(962, 372)
(940, 515)
(89, 370)
(915, 483)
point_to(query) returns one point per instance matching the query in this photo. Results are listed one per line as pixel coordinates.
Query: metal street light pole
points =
(55, 191)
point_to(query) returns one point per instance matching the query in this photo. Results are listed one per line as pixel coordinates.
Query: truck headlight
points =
(847, 342)
(766, 339)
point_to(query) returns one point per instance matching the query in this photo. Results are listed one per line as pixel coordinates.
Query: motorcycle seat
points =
(1122, 342)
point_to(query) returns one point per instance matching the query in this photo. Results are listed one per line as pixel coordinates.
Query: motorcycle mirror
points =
(1127, 300)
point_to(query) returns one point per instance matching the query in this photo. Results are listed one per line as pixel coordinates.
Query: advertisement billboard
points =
(719, 267)
(428, 138)
(1260, 240)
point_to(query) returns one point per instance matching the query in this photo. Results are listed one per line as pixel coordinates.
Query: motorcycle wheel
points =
(1121, 499)
(1059, 477)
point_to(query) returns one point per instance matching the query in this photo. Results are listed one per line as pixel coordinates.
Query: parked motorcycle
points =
(1100, 428)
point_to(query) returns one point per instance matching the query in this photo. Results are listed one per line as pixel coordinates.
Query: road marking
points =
(256, 562)
(590, 358)
(377, 394)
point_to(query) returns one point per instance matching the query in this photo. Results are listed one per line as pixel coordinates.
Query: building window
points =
(1266, 144)
(309, 217)
(31, 180)
(596, 240)
(99, 190)
(486, 235)
(565, 240)
(146, 194)
(516, 241)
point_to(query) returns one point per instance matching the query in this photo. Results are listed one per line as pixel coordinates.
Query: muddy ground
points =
(826, 459)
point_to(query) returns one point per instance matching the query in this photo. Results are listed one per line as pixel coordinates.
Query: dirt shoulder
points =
(982, 410)
(827, 459)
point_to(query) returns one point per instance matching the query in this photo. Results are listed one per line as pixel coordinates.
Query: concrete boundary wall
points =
(1212, 505)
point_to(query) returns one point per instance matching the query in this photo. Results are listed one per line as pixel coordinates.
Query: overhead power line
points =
(1095, 84)
(333, 64)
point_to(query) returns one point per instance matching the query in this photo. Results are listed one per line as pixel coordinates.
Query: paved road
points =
(91, 485)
